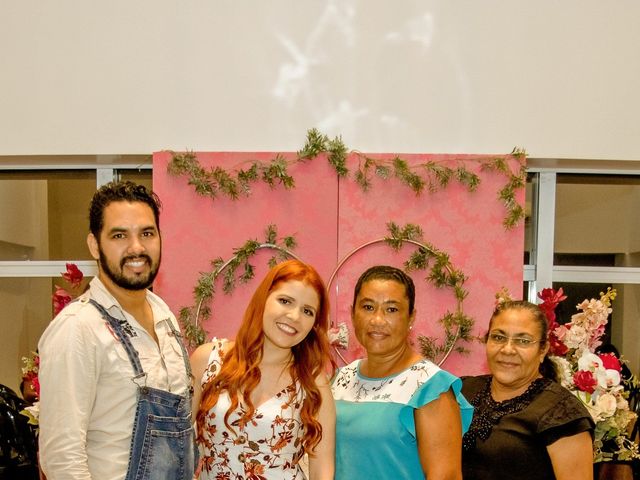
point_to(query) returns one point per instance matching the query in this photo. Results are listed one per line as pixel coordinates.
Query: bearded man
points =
(115, 380)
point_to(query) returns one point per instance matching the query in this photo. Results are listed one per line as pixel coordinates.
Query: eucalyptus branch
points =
(405, 175)
(338, 156)
(363, 174)
(430, 175)
(515, 181)
(399, 235)
(336, 151)
(217, 181)
(237, 269)
(316, 144)
(456, 325)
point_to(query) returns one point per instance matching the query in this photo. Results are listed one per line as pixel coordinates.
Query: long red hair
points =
(240, 372)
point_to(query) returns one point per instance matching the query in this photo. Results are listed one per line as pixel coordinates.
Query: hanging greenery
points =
(430, 176)
(237, 269)
(442, 274)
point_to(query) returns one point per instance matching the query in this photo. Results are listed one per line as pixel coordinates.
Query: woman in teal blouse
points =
(398, 414)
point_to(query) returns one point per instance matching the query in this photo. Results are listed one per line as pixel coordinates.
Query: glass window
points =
(27, 309)
(140, 176)
(529, 218)
(596, 220)
(44, 214)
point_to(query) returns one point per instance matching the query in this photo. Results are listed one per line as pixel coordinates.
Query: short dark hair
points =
(123, 191)
(385, 272)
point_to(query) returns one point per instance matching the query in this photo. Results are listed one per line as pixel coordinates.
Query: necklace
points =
(488, 412)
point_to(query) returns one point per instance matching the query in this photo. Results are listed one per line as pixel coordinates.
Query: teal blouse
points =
(375, 429)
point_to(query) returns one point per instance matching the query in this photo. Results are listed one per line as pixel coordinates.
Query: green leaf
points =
(316, 143)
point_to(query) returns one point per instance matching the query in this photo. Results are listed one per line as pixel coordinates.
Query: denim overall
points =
(162, 444)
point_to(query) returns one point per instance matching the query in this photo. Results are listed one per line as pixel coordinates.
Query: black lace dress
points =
(509, 439)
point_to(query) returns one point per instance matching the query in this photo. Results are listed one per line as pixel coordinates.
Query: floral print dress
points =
(264, 448)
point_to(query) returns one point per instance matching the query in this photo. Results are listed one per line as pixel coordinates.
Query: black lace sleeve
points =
(566, 416)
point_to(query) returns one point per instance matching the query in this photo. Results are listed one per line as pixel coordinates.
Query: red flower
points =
(550, 300)
(556, 347)
(73, 275)
(36, 385)
(60, 300)
(585, 381)
(551, 297)
(610, 362)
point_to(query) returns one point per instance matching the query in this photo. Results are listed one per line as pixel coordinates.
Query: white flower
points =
(589, 361)
(606, 405)
(563, 367)
(607, 378)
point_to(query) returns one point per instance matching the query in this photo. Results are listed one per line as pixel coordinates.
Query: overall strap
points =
(185, 355)
(124, 339)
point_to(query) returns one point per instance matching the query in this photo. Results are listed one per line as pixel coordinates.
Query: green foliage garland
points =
(430, 176)
(457, 325)
(237, 269)
(216, 180)
(441, 274)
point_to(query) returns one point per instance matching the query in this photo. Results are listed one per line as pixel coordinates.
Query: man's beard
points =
(135, 283)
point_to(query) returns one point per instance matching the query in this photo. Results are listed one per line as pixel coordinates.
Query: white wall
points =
(560, 79)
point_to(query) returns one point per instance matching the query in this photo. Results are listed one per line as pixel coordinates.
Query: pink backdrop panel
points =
(197, 229)
(331, 218)
(466, 225)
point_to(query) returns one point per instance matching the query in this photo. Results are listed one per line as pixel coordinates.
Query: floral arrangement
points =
(593, 378)
(30, 375)
(61, 298)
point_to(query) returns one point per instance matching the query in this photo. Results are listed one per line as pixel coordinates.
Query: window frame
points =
(541, 272)
(105, 173)
(538, 274)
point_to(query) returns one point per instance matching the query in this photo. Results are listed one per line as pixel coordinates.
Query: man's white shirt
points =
(88, 397)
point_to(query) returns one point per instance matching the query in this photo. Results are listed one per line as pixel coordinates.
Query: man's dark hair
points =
(385, 272)
(124, 191)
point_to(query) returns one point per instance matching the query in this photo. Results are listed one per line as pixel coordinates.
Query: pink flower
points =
(610, 362)
(73, 275)
(585, 381)
(556, 340)
(60, 300)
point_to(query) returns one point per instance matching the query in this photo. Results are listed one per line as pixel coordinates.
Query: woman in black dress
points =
(525, 424)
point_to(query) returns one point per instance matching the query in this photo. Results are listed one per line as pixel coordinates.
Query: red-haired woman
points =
(265, 400)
